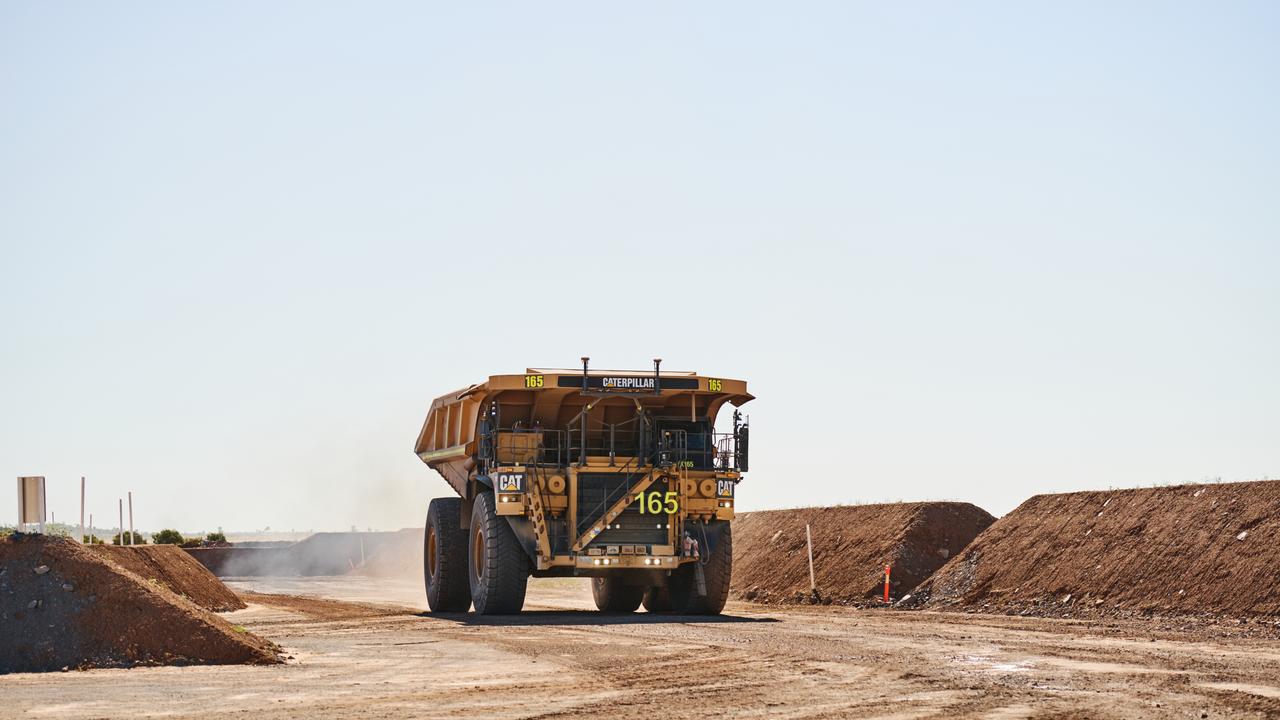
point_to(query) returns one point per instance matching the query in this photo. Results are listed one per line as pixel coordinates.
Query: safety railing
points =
(630, 442)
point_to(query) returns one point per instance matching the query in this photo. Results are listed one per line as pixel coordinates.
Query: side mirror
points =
(742, 442)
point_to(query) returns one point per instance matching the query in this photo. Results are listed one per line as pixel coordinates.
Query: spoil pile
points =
(1184, 550)
(851, 546)
(400, 556)
(62, 606)
(175, 570)
(319, 554)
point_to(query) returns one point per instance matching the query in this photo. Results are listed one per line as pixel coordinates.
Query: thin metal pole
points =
(81, 508)
(813, 584)
(130, 517)
(43, 502)
(120, 535)
(90, 528)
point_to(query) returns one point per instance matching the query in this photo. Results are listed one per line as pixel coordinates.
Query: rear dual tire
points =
(444, 562)
(613, 596)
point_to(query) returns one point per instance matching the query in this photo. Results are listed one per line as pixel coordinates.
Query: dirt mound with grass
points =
(1184, 550)
(63, 606)
(851, 546)
(177, 571)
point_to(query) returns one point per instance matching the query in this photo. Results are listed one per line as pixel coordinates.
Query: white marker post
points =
(81, 508)
(120, 535)
(808, 536)
(31, 502)
(130, 517)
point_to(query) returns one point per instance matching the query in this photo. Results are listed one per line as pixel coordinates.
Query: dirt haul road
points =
(353, 658)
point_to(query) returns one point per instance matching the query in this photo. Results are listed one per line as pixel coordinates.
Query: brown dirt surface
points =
(851, 546)
(1175, 551)
(358, 659)
(62, 606)
(177, 571)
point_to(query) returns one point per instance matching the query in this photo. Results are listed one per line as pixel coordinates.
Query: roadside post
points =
(31, 501)
(887, 570)
(808, 536)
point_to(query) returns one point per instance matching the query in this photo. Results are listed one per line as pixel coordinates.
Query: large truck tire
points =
(682, 587)
(444, 562)
(612, 596)
(499, 568)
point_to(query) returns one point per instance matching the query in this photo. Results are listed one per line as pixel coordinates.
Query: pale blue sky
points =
(970, 251)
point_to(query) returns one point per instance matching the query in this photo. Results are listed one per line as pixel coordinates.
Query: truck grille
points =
(597, 492)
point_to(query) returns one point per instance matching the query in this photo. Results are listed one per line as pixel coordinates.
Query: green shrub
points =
(215, 537)
(91, 540)
(136, 536)
(167, 537)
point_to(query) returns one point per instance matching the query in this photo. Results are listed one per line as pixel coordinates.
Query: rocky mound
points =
(851, 546)
(177, 571)
(1190, 549)
(62, 606)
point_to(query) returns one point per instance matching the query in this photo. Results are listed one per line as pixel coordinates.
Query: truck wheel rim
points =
(431, 552)
(477, 553)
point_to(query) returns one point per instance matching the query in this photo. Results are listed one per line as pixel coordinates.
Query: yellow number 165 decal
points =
(714, 385)
(533, 381)
(656, 503)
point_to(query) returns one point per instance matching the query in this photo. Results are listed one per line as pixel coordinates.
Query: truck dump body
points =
(594, 471)
(550, 399)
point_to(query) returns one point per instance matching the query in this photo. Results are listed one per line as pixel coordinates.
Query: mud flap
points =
(701, 579)
(523, 528)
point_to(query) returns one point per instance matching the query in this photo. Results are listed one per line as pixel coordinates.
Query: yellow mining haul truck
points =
(619, 476)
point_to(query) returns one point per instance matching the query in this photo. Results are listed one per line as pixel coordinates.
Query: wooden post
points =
(808, 536)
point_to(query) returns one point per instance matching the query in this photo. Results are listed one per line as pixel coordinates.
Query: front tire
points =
(612, 596)
(682, 587)
(499, 569)
(444, 557)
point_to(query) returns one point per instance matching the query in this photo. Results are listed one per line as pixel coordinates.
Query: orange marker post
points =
(886, 583)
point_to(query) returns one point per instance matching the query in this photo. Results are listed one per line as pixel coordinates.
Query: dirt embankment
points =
(62, 606)
(177, 571)
(399, 557)
(319, 554)
(1185, 550)
(851, 546)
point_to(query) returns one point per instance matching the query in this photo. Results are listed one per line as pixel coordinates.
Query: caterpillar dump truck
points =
(618, 476)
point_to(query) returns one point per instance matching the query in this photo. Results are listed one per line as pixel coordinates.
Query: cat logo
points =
(724, 488)
(511, 482)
